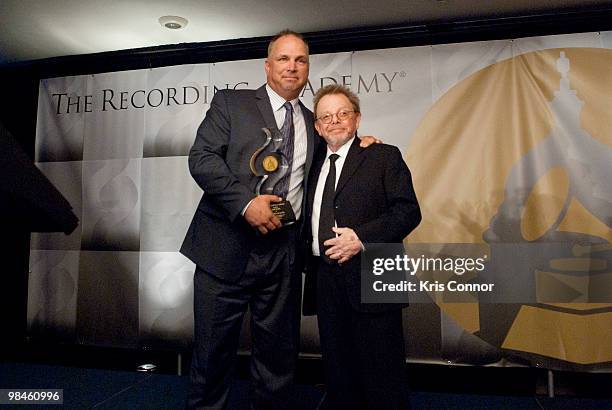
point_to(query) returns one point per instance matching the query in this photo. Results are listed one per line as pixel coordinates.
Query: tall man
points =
(355, 197)
(244, 256)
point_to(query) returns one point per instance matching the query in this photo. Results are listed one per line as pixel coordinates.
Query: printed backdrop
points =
(509, 142)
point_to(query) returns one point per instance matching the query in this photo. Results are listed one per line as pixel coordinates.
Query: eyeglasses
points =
(341, 115)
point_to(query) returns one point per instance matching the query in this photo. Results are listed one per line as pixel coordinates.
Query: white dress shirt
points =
(300, 144)
(316, 205)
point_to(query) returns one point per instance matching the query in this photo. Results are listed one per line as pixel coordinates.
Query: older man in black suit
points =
(245, 257)
(356, 197)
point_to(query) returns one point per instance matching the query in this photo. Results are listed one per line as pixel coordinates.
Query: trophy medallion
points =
(271, 165)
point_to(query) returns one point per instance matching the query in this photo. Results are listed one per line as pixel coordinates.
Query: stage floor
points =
(113, 389)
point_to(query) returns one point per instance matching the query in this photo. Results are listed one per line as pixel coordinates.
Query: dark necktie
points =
(286, 147)
(326, 216)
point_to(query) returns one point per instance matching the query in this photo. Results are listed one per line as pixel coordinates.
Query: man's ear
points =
(317, 127)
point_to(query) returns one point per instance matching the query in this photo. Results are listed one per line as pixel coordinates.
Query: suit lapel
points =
(263, 103)
(354, 158)
(316, 170)
(312, 140)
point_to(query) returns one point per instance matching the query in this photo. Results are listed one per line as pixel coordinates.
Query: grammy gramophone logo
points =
(522, 160)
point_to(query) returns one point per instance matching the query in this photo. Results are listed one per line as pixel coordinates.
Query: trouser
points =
(363, 352)
(271, 288)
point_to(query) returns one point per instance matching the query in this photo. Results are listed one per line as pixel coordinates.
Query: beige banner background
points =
(509, 143)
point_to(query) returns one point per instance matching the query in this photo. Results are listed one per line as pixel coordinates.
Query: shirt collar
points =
(343, 151)
(276, 101)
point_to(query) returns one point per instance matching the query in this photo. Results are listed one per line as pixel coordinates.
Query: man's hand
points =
(368, 140)
(344, 246)
(259, 215)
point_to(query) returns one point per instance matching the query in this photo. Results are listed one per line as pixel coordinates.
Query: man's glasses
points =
(341, 115)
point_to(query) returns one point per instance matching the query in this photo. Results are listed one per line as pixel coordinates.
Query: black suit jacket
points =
(219, 239)
(374, 197)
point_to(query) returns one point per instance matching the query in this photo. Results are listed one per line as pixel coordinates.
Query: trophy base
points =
(283, 211)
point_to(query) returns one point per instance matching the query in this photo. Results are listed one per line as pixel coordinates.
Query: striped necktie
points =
(286, 148)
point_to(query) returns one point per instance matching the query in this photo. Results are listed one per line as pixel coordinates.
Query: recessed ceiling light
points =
(173, 22)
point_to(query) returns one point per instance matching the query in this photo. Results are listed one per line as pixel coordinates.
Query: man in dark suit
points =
(245, 257)
(355, 197)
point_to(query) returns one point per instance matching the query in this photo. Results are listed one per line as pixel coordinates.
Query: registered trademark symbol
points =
(402, 74)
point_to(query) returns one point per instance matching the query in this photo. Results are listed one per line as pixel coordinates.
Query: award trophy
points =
(271, 165)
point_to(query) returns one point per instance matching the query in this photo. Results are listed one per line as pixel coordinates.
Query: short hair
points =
(284, 33)
(336, 89)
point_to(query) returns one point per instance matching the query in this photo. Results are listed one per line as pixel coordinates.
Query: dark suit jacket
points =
(219, 239)
(375, 198)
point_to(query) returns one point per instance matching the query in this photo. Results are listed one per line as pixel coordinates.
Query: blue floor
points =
(109, 389)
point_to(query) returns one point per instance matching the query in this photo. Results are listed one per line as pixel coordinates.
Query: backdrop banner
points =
(510, 146)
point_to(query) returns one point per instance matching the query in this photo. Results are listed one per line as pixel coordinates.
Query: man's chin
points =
(338, 136)
(292, 85)
(335, 141)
